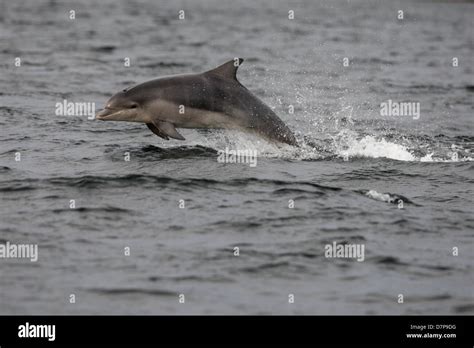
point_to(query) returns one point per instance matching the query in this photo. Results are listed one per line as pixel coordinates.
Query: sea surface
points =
(73, 193)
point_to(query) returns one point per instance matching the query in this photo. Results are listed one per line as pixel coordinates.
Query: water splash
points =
(387, 197)
(348, 145)
(345, 144)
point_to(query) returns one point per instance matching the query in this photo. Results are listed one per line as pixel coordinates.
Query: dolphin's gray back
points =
(218, 94)
(247, 108)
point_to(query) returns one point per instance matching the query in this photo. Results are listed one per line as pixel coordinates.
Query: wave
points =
(156, 152)
(92, 181)
(130, 291)
(277, 187)
(106, 209)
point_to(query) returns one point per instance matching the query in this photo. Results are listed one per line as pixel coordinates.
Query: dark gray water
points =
(349, 157)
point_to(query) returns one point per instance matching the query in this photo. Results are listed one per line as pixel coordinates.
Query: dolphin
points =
(213, 99)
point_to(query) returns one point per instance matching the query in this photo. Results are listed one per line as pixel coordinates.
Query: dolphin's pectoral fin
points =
(157, 131)
(167, 129)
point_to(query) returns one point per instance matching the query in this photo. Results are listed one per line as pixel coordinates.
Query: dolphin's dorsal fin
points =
(227, 70)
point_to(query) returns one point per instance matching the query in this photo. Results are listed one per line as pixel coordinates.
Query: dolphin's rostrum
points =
(213, 99)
